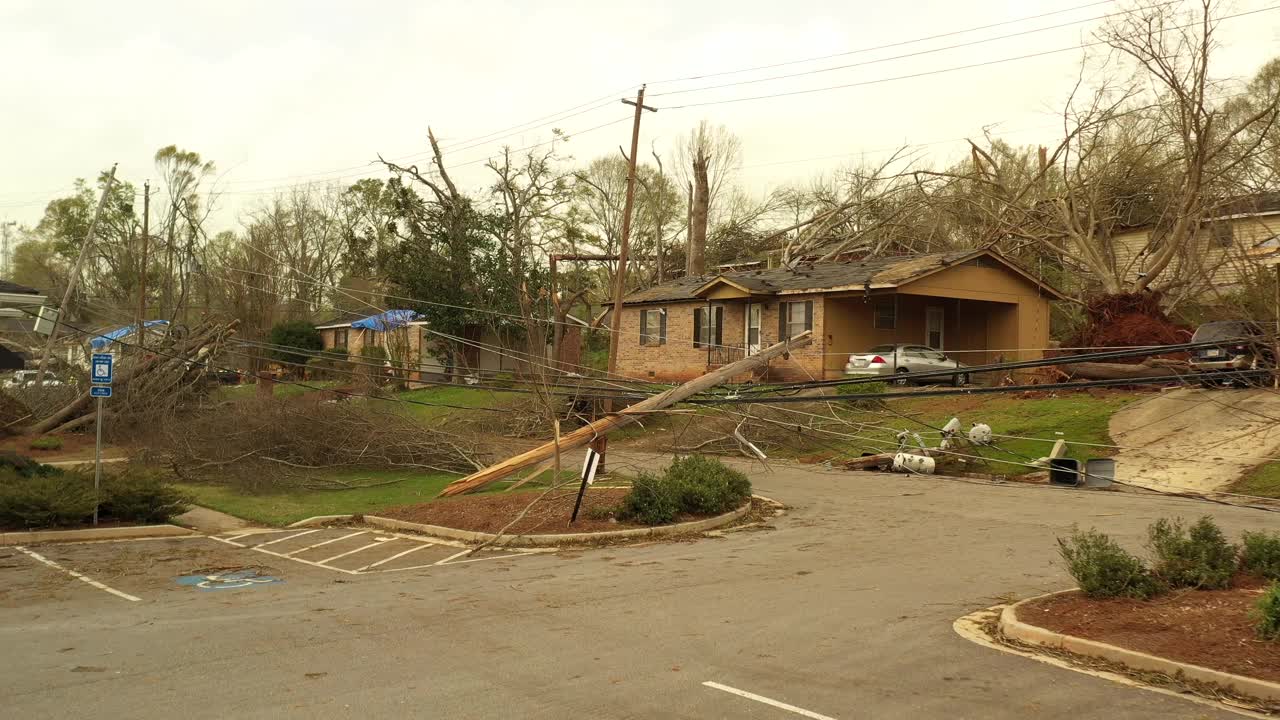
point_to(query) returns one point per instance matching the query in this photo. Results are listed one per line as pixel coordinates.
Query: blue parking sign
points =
(101, 367)
(100, 391)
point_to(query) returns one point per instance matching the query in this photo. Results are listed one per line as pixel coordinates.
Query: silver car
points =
(896, 363)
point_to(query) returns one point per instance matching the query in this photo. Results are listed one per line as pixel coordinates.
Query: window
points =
(794, 318)
(340, 339)
(653, 327)
(886, 315)
(1222, 233)
(707, 326)
(372, 338)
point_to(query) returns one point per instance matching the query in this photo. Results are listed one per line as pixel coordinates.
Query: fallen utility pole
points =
(75, 276)
(599, 428)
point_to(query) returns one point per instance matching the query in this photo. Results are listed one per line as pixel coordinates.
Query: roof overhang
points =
(720, 284)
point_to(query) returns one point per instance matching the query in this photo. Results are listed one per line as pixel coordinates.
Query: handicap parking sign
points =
(102, 366)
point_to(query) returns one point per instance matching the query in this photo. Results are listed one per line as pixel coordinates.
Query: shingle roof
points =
(13, 287)
(340, 318)
(876, 272)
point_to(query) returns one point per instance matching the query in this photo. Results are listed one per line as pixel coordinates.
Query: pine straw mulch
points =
(1209, 628)
(490, 512)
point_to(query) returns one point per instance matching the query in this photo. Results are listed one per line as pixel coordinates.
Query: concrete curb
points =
(32, 537)
(319, 520)
(1015, 629)
(562, 539)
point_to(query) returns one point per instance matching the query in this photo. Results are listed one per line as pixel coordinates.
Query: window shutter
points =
(719, 323)
(644, 327)
(662, 327)
(697, 327)
(808, 315)
(782, 321)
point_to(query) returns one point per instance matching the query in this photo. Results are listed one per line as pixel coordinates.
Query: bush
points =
(25, 466)
(1261, 554)
(48, 442)
(1197, 558)
(1266, 613)
(693, 484)
(44, 500)
(1103, 569)
(141, 496)
(652, 501)
(296, 341)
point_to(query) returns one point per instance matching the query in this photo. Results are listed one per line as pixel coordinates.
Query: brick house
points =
(413, 342)
(975, 305)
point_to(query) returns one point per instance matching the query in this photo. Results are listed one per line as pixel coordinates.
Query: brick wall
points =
(678, 360)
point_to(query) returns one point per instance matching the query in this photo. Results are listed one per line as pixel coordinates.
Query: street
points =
(842, 608)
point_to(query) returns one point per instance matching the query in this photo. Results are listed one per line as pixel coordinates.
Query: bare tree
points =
(707, 159)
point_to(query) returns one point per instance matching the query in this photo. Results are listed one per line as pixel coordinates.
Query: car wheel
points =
(901, 380)
(960, 379)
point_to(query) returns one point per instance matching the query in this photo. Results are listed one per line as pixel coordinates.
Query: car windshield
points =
(1225, 330)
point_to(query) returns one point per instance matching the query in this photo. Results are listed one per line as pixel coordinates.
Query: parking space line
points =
(457, 554)
(304, 562)
(393, 557)
(257, 531)
(79, 576)
(288, 537)
(228, 541)
(768, 701)
(350, 552)
(326, 542)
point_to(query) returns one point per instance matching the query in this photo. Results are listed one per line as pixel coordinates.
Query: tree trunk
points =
(698, 223)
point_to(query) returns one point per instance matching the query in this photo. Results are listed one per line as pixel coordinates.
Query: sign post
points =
(101, 371)
(589, 467)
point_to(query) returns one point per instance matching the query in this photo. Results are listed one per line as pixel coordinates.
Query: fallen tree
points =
(584, 435)
(1150, 368)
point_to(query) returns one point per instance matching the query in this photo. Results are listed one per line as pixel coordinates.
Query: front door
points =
(933, 327)
(752, 340)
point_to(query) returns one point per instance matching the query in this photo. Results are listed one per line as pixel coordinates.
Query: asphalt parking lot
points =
(842, 609)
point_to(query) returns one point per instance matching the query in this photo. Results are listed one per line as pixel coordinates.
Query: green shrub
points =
(373, 352)
(25, 466)
(1261, 554)
(140, 496)
(693, 484)
(1266, 613)
(48, 442)
(705, 486)
(1103, 569)
(1199, 557)
(295, 341)
(44, 500)
(652, 500)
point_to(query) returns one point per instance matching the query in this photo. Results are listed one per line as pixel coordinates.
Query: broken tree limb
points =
(1121, 371)
(609, 423)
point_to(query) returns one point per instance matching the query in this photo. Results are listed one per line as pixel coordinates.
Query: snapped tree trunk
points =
(698, 218)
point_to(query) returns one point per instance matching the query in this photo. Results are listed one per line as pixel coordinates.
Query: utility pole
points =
(142, 274)
(75, 276)
(619, 285)
(4, 249)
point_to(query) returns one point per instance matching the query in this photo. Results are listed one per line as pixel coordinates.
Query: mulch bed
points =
(1209, 628)
(489, 512)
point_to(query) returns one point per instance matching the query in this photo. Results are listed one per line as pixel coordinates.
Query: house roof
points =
(874, 273)
(339, 319)
(15, 288)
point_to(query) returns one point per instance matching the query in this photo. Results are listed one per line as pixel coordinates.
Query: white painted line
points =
(393, 557)
(349, 552)
(457, 554)
(768, 701)
(228, 541)
(326, 542)
(288, 537)
(257, 531)
(78, 576)
(304, 562)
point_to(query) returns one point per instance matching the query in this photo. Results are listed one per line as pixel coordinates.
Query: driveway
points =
(1196, 439)
(843, 609)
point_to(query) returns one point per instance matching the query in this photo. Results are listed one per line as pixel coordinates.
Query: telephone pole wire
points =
(620, 280)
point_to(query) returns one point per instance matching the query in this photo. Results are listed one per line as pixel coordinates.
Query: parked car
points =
(27, 378)
(1244, 346)
(896, 363)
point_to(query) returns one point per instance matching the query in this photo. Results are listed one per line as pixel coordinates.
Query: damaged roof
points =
(885, 272)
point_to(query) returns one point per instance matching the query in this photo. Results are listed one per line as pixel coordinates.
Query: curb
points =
(90, 534)
(1015, 629)
(561, 539)
(319, 520)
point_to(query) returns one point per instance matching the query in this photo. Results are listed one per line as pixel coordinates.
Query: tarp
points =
(388, 320)
(106, 339)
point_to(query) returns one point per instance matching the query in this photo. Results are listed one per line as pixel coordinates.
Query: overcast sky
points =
(281, 92)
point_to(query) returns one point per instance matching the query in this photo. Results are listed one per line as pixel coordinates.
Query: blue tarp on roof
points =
(388, 320)
(106, 339)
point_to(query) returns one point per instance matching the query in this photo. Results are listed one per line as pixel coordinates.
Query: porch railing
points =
(725, 354)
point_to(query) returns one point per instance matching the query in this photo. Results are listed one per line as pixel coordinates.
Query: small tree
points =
(297, 334)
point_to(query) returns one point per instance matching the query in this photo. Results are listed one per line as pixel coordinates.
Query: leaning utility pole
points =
(75, 276)
(142, 273)
(619, 284)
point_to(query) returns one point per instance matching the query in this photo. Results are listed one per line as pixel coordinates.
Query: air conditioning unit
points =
(46, 319)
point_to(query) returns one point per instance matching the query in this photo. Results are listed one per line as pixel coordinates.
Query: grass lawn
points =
(455, 395)
(283, 389)
(290, 506)
(1264, 481)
